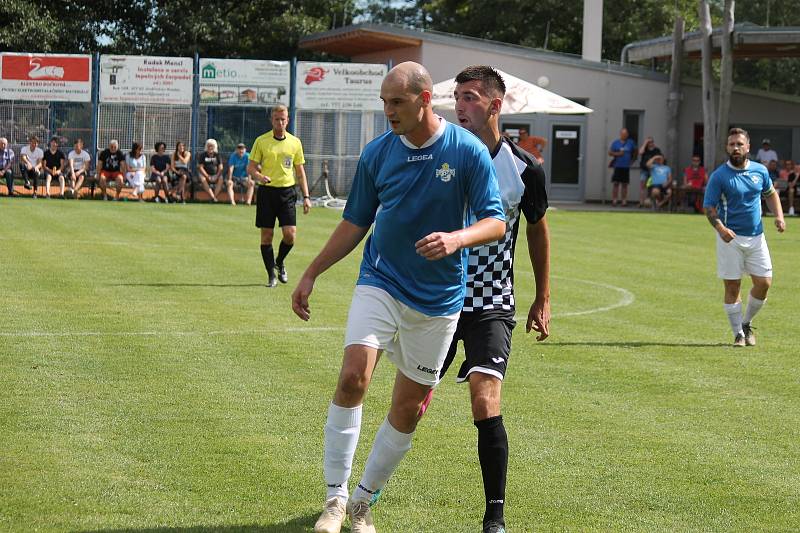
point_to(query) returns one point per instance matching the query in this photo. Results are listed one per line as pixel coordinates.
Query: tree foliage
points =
(271, 29)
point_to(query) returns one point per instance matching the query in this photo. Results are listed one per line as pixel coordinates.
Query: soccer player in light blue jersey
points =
(733, 207)
(413, 186)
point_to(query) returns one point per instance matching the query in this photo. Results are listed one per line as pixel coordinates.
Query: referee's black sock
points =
(269, 259)
(493, 455)
(283, 251)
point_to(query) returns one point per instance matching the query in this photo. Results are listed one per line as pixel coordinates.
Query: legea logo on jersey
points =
(445, 173)
(423, 157)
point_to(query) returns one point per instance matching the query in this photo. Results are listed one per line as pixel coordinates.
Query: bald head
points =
(412, 77)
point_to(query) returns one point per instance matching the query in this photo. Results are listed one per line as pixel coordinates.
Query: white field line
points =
(626, 298)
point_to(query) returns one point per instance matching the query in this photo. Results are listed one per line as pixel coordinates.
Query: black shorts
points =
(275, 202)
(621, 175)
(660, 188)
(487, 343)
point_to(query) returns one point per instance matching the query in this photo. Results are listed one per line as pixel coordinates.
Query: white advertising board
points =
(339, 86)
(146, 79)
(244, 82)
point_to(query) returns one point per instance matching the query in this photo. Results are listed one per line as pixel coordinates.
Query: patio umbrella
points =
(521, 97)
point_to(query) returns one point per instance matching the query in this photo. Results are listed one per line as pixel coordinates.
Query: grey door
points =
(565, 163)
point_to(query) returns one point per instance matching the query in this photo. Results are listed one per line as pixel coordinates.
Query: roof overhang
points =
(352, 41)
(749, 41)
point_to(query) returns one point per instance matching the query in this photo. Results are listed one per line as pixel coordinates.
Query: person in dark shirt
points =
(111, 165)
(209, 170)
(54, 167)
(159, 168)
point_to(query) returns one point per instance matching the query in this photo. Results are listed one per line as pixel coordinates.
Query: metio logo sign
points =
(212, 72)
(46, 68)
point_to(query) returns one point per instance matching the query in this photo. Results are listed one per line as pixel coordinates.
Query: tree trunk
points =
(726, 80)
(674, 98)
(709, 121)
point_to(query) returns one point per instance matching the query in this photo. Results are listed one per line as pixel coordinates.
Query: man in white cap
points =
(766, 153)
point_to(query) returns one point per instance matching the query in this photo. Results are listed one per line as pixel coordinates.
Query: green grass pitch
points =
(150, 382)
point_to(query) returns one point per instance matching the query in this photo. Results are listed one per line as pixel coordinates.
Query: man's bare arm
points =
(538, 236)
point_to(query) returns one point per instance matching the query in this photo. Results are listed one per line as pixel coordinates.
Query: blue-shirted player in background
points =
(413, 185)
(733, 206)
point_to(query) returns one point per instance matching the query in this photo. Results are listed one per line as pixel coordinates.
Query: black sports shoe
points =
(749, 336)
(494, 526)
(28, 184)
(282, 276)
(273, 282)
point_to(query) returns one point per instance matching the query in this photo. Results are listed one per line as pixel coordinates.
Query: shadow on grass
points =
(301, 524)
(635, 344)
(188, 284)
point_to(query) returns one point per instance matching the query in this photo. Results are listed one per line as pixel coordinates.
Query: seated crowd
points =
(169, 175)
(659, 189)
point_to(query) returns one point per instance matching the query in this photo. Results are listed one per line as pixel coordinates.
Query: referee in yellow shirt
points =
(275, 160)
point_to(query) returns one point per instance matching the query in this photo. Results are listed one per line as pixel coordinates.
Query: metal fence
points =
(336, 138)
(146, 124)
(231, 125)
(66, 120)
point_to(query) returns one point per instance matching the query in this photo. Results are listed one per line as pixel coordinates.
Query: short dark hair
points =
(491, 80)
(159, 144)
(54, 139)
(739, 131)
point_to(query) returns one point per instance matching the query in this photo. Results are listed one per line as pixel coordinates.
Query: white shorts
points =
(743, 255)
(136, 179)
(415, 342)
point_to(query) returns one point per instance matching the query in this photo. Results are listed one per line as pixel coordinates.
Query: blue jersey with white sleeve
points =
(736, 193)
(410, 192)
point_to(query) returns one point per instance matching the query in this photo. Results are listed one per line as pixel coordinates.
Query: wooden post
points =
(709, 120)
(674, 98)
(725, 80)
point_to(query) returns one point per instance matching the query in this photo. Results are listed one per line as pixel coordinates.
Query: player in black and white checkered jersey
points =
(487, 318)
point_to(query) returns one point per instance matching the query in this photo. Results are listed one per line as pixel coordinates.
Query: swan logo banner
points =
(53, 77)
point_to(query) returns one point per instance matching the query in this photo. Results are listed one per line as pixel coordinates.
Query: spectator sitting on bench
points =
(237, 174)
(660, 182)
(78, 168)
(136, 163)
(694, 183)
(6, 162)
(180, 171)
(54, 160)
(209, 170)
(111, 165)
(30, 163)
(159, 171)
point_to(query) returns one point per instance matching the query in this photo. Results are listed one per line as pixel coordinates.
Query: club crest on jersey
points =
(445, 173)
(755, 178)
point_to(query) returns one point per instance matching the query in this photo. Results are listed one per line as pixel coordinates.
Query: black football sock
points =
(283, 251)
(493, 456)
(269, 259)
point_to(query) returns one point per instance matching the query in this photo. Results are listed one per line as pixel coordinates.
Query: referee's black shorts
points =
(486, 335)
(275, 203)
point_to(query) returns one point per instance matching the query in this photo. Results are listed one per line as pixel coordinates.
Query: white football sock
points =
(341, 438)
(388, 450)
(734, 312)
(754, 305)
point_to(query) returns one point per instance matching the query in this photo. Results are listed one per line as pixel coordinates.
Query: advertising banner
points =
(54, 77)
(146, 79)
(244, 82)
(339, 86)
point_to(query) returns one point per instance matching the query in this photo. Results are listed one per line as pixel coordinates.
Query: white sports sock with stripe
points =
(388, 450)
(341, 438)
(734, 312)
(754, 305)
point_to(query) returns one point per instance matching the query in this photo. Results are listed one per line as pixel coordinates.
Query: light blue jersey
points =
(659, 175)
(239, 164)
(410, 192)
(736, 193)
